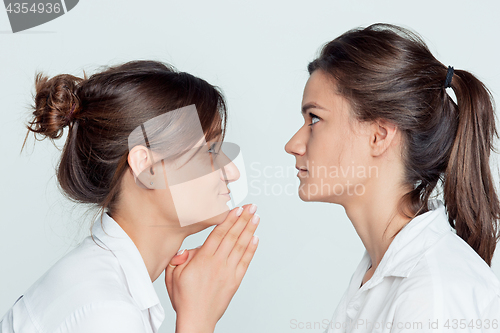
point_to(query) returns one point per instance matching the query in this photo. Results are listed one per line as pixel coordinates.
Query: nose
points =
(296, 145)
(231, 171)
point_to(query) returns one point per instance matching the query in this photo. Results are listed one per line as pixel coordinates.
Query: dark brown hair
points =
(387, 72)
(102, 110)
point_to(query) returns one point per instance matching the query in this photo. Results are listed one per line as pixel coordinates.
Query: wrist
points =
(193, 325)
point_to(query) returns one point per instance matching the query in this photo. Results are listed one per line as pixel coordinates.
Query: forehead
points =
(320, 89)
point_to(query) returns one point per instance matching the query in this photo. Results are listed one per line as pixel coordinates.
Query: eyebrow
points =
(311, 106)
(214, 135)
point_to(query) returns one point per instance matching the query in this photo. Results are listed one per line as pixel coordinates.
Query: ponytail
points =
(469, 193)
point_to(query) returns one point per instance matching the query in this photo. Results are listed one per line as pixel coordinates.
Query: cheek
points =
(198, 199)
(337, 156)
(355, 161)
(327, 147)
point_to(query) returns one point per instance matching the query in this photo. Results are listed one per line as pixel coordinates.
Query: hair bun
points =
(56, 102)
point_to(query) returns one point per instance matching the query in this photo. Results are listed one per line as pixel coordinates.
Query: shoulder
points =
(459, 266)
(96, 317)
(87, 264)
(86, 275)
(453, 278)
(103, 317)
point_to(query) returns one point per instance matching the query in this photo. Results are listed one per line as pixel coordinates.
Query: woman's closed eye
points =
(314, 119)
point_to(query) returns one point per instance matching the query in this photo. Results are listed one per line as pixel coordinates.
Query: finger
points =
(185, 256)
(169, 279)
(179, 268)
(219, 232)
(242, 267)
(243, 241)
(230, 239)
(179, 258)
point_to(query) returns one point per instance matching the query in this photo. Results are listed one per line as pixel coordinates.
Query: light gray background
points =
(257, 51)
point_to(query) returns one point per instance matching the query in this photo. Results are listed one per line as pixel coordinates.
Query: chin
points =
(217, 219)
(304, 197)
(221, 217)
(309, 198)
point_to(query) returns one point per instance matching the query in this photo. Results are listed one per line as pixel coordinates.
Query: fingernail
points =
(180, 252)
(239, 211)
(255, 239)
(255, 219)
(197, 247)
(253, 209)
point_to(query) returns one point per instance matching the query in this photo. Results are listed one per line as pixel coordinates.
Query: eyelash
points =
(211, 150)
(313, 116)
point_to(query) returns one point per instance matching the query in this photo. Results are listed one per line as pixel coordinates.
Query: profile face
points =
(189, 175)
(203, 198)
(331, 148)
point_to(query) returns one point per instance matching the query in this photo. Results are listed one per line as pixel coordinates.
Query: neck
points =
(375, 217)
(157, 235)
(155, 240)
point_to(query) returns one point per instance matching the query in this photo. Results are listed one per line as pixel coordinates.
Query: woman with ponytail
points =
(122, 123)
(380, 134)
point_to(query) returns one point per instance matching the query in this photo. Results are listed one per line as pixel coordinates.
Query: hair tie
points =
(449, 76)
(68, 117)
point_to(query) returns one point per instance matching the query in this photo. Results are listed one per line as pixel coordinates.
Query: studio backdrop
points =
(257, 53)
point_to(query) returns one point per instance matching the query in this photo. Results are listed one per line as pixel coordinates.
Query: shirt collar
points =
(130, 259)
(410, 244)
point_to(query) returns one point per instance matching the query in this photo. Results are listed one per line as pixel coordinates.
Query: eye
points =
(314, 119)
(212, 149)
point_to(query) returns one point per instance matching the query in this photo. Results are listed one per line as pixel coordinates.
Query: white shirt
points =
(91, 290)
(429, 280)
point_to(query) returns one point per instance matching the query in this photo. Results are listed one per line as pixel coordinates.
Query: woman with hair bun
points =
(376, 109)
(128, 128)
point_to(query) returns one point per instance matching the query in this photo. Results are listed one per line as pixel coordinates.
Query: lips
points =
(226, 193)
(300, 168)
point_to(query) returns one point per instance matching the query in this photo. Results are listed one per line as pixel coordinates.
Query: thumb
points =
(179, 258)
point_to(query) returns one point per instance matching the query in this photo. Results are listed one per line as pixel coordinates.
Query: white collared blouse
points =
(91, 290)
(429, 280)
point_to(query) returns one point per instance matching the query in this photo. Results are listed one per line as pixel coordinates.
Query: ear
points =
(139, 158)
(148, 172)
(382, 136)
